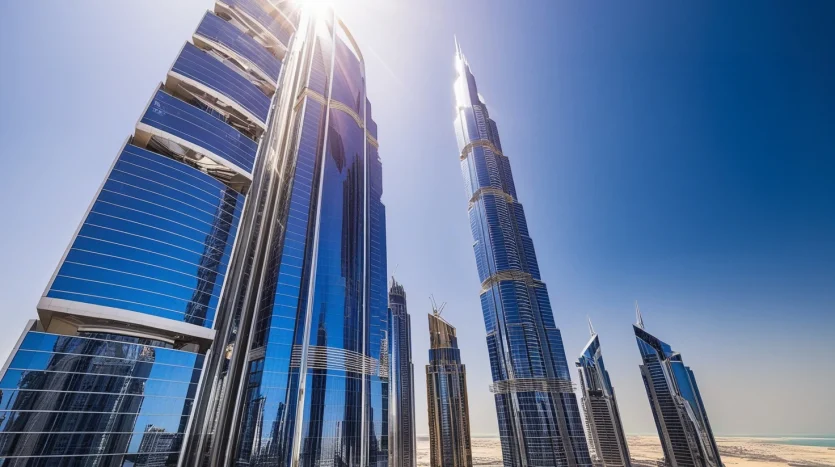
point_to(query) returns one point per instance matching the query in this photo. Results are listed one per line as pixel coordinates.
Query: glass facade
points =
(677, 407)
(111, 372)
(91, 400)
(604, 428)
(200, 66)
(304, 379)
(446, 395)
(539, 419)
(402, 410)
(157, 240)
(225, 36)
(204, 130)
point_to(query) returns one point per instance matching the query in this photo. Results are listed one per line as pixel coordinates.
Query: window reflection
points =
(96, 394)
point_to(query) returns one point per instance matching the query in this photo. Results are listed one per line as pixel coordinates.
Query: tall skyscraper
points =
(303, 375)
(604, 428)
(402, 440)
(676, 403)
(539, 419)
(223, 301)
(446, 394)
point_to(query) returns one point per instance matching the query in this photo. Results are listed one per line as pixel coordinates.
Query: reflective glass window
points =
(157, 240)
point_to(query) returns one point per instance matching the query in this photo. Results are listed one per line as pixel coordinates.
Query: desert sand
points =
(646, 451)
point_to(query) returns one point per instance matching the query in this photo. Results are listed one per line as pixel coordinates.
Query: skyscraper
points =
(303, 377)
(446, 394)
(604, 428)
(677, 406)
(539, 419)
(223, 301)
(402, 439)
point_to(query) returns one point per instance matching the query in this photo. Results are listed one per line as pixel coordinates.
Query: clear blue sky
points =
(681, 154)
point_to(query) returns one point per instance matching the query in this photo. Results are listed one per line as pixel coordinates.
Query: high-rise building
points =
(302, 377)
(402, 439)
(446, 395)
(539, 419)
(603, 424)
(223, 301)
(677, 406)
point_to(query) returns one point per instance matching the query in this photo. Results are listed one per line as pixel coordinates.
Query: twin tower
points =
(224, 300)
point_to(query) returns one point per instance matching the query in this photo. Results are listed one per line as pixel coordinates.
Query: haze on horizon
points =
(681, 155)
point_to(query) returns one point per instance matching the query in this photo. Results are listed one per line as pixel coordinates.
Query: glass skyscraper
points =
(223, 301)
(402, 439)
(539, 419)
(604, 428)
(677, 406)
(446, 395)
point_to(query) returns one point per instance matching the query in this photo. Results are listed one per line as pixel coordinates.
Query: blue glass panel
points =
(258, 10)
(85, 399)
(200, 66)
(171, 115)
(157, 240)
(221, 31)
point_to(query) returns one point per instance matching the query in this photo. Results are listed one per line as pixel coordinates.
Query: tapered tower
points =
(539, 419)
(604, 428)
(677, 406)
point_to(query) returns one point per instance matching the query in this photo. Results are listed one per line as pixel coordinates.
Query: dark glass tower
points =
(446, 394)
(223, 301)
(402, 415)
(677, 406)
(604, 428)
(539, 420)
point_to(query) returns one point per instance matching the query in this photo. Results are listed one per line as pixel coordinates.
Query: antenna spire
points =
(591, 328)
(640, 319)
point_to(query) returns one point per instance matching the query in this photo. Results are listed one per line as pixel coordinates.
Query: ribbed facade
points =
(223, 301)
(402, 439)
(677, 406)
(446, 395)
(301, 376)
(539, 419)
(607, 440)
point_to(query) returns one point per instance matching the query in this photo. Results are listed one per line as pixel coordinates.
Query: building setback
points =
(677, 406)
(539, 420)
(446, 394)
(603, 423)
(402, 440)
(223, 301)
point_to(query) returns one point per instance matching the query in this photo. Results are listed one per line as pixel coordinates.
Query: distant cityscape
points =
(226, 298)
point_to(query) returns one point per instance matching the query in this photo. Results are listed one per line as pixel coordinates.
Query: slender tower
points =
(402, 440)
(676, 403)
(539, 419)
(446, 394)
(303, 378)
(603, 423)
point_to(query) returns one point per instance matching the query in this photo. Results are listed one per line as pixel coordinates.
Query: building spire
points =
(591, 328)
(640, 319)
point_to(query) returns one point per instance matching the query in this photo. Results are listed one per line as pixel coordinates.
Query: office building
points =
(402, 440)
(223, 301)
(604, 429)
(539, 418)
(677, 406)
(446, 395)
